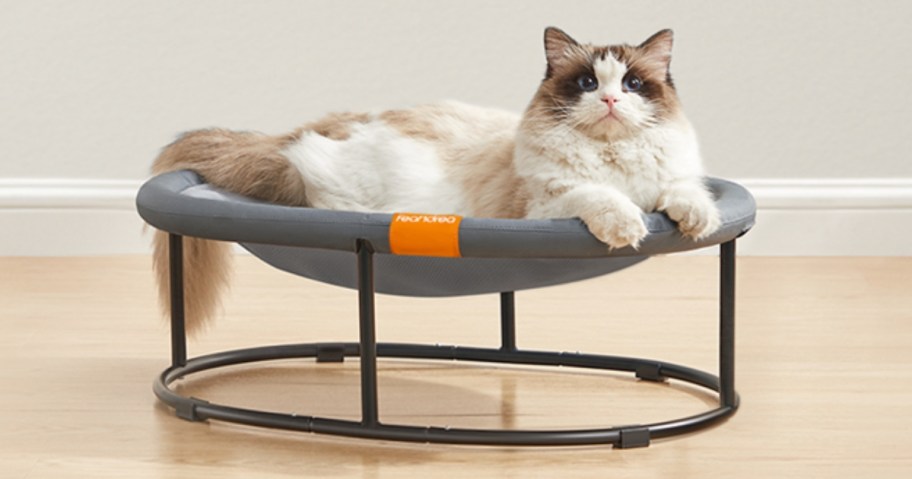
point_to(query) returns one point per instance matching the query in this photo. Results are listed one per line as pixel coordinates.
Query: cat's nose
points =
(610, 99)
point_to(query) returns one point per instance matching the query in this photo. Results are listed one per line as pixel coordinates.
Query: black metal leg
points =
(727, 396)
(178, 328)
(368, 349)
(507, 321)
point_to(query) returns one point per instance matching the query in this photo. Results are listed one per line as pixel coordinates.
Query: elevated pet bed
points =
(357, 250)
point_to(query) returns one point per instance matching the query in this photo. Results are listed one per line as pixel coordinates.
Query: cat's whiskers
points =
(556, 107)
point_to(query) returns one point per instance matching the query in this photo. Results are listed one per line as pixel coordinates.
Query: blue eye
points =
(632, 83)
(587, 83)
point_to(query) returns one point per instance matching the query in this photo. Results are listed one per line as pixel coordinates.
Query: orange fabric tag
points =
(417, 234)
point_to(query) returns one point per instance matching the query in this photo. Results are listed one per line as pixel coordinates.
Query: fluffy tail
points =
(250, 164)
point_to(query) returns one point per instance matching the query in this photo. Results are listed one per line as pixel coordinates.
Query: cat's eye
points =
(587, 83)
(632, 83)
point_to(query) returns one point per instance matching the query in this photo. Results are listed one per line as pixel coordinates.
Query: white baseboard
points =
(56, 217)
(830, 217)
(806, 217)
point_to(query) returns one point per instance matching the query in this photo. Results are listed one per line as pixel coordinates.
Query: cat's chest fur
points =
(641, 166)
(636, 166)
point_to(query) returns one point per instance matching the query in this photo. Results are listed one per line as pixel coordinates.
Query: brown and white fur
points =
(603, 139)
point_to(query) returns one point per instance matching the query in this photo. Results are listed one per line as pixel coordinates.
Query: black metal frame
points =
(369, 350)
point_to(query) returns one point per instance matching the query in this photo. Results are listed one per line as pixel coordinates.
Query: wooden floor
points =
(824, 371)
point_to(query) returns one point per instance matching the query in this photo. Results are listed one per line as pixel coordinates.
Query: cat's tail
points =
(250, 164)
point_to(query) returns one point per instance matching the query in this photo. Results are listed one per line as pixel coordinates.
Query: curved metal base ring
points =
(624, 437)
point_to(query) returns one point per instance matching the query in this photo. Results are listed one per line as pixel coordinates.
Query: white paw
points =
(697, 216)
(619, 227)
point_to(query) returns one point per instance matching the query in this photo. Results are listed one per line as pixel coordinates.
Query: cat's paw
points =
(619, 227)
(697, 216)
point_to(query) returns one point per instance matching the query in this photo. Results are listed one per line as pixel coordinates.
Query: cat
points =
(604, 139)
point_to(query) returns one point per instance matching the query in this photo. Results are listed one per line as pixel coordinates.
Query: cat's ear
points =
(658, 47)
(558, 46)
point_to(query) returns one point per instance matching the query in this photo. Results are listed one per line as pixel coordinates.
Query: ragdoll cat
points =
(603, 139)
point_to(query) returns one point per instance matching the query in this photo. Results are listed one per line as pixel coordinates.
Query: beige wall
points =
(777, 89)
(806, 102)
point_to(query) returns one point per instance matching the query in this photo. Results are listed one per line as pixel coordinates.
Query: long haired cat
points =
(603, 139)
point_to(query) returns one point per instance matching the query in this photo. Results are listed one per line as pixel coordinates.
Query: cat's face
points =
(607, 92)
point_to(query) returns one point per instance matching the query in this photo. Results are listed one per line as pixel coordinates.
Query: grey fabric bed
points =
(497, 254)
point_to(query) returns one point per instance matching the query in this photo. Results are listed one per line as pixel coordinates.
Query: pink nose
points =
(610, 100)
